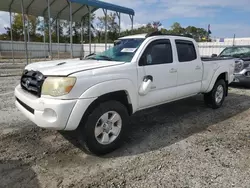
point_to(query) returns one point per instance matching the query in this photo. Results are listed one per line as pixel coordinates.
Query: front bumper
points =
(241, 77)
(54, 114)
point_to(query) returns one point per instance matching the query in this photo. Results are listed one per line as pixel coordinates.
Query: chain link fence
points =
(209, 48)
(12, 63)
(38, 51)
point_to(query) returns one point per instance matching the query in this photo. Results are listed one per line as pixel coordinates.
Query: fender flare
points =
(106, 87)
(215, 77)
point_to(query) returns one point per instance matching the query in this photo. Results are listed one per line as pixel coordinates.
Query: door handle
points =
(148, 77)
(197, 67)
(173, 70)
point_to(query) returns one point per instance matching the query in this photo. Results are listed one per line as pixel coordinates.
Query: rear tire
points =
(104, 129)
(216, 97)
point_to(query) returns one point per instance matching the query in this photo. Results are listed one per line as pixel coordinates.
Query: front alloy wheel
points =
(103, 130)
(108, 127)
(219, 94)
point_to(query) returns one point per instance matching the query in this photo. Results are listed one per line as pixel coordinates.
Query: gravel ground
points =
(182, 144)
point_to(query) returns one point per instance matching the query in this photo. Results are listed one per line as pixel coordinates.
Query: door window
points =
(158, 52)
(186, 51)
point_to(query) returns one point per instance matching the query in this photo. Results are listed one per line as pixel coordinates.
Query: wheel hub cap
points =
(108, 127)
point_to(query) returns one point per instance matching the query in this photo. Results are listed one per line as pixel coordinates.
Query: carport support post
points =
(71, 31)
(50, 44)
(44, 37)
(106, 20)
(28, 30)
(24, 29)
(119, 22)
(89, 30)
(82, 47)
(11, 37)
(58, 37)
(28, 33)
(132, 21)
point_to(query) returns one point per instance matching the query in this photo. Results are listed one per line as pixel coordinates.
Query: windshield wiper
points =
(90, 54)
(106, 57)
(99, 57)
(225, 56)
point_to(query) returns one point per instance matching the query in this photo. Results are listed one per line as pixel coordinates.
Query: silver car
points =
(242, 62)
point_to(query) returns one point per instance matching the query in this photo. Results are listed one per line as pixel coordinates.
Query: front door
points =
(157, 64)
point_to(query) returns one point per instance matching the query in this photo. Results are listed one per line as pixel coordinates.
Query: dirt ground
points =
(182, 144)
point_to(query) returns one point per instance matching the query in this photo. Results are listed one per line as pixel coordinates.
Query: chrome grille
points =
(32, 81)
(246, 64)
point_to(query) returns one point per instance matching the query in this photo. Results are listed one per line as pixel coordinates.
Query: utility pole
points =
(234, 40)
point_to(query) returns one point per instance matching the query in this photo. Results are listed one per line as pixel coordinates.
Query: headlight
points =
(24, 72)
(239, 64)
(58, 86)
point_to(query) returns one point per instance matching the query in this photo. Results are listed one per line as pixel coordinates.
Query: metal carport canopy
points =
(60, 8)
(71, 10)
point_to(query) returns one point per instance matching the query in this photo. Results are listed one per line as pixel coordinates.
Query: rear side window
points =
(186, 51)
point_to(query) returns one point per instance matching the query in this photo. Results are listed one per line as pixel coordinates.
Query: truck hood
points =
(69, 66)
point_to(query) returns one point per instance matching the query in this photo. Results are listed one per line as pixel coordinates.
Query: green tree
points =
(148, 28)
(32, 23)
(44, 27)
(37, 28)
(112, 27)
(177, 29)
(17, 27)
(156, 24)
(76, 27)
(203, 34)
(197, 33)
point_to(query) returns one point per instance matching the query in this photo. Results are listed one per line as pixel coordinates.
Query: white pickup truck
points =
(95, 96)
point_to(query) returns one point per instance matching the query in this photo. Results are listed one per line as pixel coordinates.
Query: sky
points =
(226, 17)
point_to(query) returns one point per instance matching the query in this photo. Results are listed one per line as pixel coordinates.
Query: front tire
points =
(104, 129)
(216, 97)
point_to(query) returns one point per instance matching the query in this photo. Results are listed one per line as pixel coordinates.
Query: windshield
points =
(238, 52)
(124, 51)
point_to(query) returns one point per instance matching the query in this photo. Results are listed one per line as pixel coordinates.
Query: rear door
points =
(162, 69)
(190, 69)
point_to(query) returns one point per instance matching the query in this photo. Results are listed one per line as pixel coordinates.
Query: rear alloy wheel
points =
(104, 129)
(216, 97)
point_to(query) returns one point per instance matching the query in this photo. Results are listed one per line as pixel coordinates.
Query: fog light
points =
(248, 73)
(50, 115)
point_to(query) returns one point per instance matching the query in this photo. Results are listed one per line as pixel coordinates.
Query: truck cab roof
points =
(152, 34)
(134, 36)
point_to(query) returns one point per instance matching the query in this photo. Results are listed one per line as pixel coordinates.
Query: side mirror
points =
(142, 61)
(117, 42)
(149, 59)
(145, 86)
(214, 55)
(145, 60)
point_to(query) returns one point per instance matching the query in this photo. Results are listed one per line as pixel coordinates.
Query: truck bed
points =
(213, 65)
(215, 58)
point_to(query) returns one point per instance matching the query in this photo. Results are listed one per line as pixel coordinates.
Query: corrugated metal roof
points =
(104, 5)
(60, 8)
